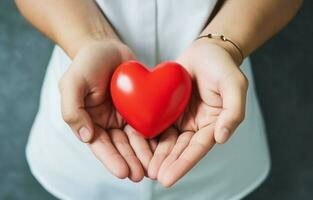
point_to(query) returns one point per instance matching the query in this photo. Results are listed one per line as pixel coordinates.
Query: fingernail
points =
(223, 136)
(84, 134)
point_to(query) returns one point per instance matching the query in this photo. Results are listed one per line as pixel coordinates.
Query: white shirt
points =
(156, 30)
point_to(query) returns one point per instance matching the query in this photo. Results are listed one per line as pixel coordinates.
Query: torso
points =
(156, 30)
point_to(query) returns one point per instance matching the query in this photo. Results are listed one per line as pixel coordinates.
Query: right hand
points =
(88, 109)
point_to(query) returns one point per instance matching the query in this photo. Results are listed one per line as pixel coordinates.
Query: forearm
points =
(251, 23)
(70, 23)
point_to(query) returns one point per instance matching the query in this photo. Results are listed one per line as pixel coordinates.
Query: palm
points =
(94, 65)
(87, 82)
(105, 116)
(212, 69)
(202, 110)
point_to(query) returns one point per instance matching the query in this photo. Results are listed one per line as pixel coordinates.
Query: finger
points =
(140, 146)
(181, 143)
(121, 143)
(163, 149)
(105, 151)
(153, 143)
(72, 90)
(104, 115)
(233, 93)
(198, 147)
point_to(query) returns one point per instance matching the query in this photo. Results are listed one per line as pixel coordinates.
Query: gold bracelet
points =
(225, 39)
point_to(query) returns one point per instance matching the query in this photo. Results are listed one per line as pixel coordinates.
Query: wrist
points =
(73, 46)
(109, 50)
(229, 47)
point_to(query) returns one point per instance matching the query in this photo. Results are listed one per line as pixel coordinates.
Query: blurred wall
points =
(283, 69)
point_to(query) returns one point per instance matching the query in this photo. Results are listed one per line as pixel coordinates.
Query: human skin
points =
(82, 31)
(217, 105)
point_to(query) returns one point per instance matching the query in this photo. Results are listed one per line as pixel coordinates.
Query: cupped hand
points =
(216, 108)
(87, 107)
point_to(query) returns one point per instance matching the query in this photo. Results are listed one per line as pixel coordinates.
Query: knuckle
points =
(70, 117)
(120, 142)
(104, 139)
(243, 82)
(239, 118)
(130, 130)
(161, 154)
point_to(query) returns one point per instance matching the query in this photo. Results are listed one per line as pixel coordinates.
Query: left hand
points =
(216, 108)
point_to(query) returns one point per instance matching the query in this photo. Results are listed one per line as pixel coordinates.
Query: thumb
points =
(233, 93)
(73, 91)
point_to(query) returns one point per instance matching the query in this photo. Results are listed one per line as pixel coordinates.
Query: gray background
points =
(283, 69)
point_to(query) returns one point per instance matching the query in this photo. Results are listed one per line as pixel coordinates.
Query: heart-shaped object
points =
(150, 100)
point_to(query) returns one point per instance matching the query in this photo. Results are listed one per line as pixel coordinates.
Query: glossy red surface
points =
(150, 100)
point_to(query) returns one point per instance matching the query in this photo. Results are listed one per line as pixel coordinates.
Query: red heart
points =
(150, 100)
